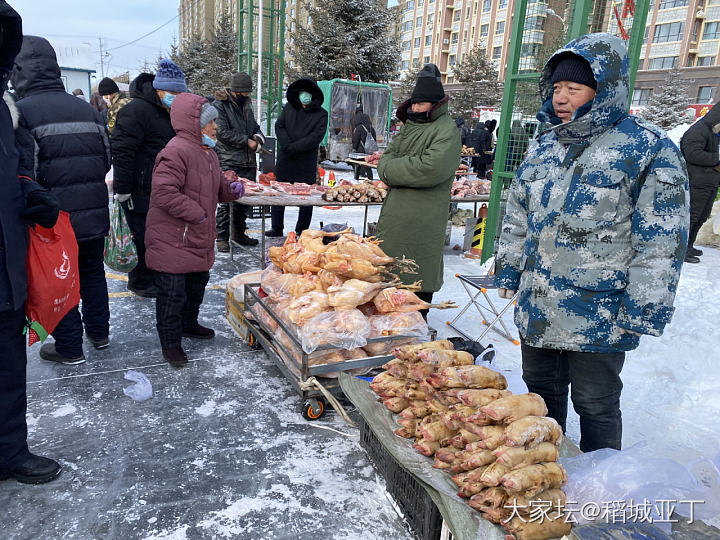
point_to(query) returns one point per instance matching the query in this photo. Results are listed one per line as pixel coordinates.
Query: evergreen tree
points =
(407, 83)
(147, 67)
(668, 103)
(345, 37)
(480, 85)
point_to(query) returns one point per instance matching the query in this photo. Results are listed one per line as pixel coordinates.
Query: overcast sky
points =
(117, 22)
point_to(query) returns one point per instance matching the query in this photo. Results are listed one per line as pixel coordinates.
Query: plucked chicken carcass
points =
(312, 239)
(352, 246)
(511, 408)
(409, 352)
(305, 307)
(468, 377)
(352, 293)
(347, 329)
(304, 284)
(393, 299)
(398, 324)
(276, 284)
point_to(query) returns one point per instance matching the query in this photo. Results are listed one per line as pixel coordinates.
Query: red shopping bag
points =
(53, 279)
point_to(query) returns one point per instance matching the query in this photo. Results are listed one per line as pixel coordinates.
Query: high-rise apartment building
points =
(197, 17)
(684, 34)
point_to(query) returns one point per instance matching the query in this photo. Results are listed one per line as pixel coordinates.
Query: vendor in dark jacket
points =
(22, 203)
(65, 148)
(238, 140)
(699, 147)
(483, 146)
(142, 129)
(300, 129)
(363, 128)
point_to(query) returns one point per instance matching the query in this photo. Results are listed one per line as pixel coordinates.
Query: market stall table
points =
(283, 199)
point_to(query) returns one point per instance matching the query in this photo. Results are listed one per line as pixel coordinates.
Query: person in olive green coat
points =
(419, 167)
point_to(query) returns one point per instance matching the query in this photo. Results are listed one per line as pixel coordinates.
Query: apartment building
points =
(684, 34)
(197, 17)
(296, 15)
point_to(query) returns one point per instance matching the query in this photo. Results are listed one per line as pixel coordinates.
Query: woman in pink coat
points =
(187, 184)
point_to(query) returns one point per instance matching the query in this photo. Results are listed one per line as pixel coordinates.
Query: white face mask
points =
(106, 100)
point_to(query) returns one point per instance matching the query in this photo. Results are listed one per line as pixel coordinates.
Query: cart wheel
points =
(313, 408)
(253, 342)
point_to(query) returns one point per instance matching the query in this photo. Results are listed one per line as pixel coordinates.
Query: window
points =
(500, 27)
(450, 80)
(430, 19)
(534, 23)
(641, 97)
(454, 38)
(415, 63)
(456, 15)
(663, 62)
(646, 34)
(696, 30)
(667, 4)
(431, 1)
(465, 36)
(705, 61)
(668, 32)
(451, 59)
(407, 26)
(706, 94)
(529, 49)
(421, 3)
(426, 60)
(404, 65)
(406, 45)
(428, 40)
(467, 12)
(416, 43)
(712, 30)
(410, 5)
(484, 30)
(418, 22)
(502, 4)
(497, 52)
(487, 5)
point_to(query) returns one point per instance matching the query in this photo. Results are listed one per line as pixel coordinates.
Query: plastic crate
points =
(256, 212)
(421, 514)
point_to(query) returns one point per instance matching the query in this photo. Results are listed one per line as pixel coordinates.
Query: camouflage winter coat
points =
(597, 219)
(119, 100)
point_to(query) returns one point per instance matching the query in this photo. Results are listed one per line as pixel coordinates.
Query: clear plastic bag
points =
(276, 284)
(141, 390)
(607, 475)
(346, 329)
(409, 324)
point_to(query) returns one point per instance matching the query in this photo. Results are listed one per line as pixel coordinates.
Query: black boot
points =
(244, 240)
(691, 259)
(273, 233)
(36, 470)
(198, 331)
(692, 250)
(175, 356)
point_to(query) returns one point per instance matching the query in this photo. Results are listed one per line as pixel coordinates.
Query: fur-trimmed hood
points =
(14, 113)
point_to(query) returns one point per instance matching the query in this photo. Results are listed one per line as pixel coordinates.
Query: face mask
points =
(107, 100)
(417, 117)
(207, 141)
(305, 98)
(168, 99)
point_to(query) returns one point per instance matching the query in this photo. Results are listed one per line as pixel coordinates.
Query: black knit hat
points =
(241, 82)
(107, 87)
(428, 86)
(573, 68)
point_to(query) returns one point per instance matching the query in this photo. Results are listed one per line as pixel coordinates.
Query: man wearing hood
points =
(464, 130)
(22, 203)
(300, 129)
(419, 167)
(699, 146)
(142, 129)
(238, 140)
(594, 237)
(65, 148)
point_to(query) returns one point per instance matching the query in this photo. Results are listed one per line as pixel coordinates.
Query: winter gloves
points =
(238, 189)
(41, 208)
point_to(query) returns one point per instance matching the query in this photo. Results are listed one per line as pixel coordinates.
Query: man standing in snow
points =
(699, 146)
(594, 237)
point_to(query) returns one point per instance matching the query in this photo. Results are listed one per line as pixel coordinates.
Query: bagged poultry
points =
(385, 347)
(276, 284)
(346, 329)
(398, 324)
(305, 307)
(304, 284)
(393, 299)
(511, 408)
(352, 293)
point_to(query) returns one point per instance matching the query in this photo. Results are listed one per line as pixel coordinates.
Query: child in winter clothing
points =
(187, 184)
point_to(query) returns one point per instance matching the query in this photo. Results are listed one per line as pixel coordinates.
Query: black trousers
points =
(702, 198)
(13, 397)
(178, 304)
(595, 387)
(362, 170)
(94, 302)
(239, 211)
(277, 218)
(140, 277)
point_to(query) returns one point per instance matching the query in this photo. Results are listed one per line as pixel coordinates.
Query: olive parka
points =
(419, 167)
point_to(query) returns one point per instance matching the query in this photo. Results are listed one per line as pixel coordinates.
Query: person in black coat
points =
(142, 129)
(699, 146)
(465, 134)
(238, 140)
(300, 129)
(22, 203)
(363, 128)
(65, 148)
(483, 146)
(473, 143)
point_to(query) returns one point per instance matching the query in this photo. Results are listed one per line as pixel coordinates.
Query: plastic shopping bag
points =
(120, 252)
(53, 279)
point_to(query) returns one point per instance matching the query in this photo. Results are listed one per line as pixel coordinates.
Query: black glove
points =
(41, 208)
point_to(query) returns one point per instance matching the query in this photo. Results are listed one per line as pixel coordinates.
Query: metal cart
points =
(298, 372)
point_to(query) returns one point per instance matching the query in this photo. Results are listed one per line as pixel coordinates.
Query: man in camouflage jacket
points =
(594, 237)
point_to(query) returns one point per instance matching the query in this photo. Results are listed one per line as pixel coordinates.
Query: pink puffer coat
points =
(186, 185)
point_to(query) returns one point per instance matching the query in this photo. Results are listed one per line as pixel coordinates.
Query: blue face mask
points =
(207, 141)
(168, 99)
(305, 98)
